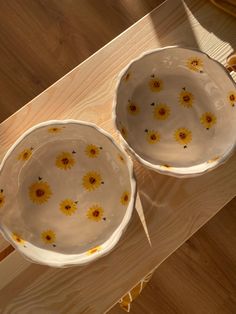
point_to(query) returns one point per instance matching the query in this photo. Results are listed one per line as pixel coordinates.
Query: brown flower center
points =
(232, 97)
(25, 155)
(132, 107)
(92, 151)
(126, 198)
(48, 237)
(156, 84)
(153, 137)
(194, 62)
(92, 180)
(186, 98)
(162, 111)
(67, 207)
(40, 192)
(209, 119)
(65, 161)
(1, 200)
(182, 135)
(96, 213)
(54, 129)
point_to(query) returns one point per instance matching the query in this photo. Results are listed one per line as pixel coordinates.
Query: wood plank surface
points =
(200, 277)
(174, 209)
(42, 40)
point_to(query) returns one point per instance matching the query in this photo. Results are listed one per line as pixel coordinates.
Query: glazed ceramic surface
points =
(66, 193)
(175, 109)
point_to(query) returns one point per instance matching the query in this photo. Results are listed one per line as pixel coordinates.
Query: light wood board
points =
(174, 209)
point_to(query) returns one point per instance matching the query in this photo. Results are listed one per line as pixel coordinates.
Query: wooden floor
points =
(42, 40)
(200, 277)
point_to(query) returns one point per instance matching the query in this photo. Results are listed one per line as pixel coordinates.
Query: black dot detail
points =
(152, 104)
(104, 218)
(54, 245)
(146, 130)
(185, 146)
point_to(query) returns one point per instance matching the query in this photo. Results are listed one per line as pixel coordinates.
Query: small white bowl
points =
(67, 193)
(175, 109)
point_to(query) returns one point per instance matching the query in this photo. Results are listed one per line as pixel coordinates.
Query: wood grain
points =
(42, 40)
(200, 277)
(174, 209)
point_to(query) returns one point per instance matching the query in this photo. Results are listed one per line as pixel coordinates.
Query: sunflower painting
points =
(95, 213)
(92, 180)
(208, 119)
(68, 207)
(152, 136)
(195, 64)
(2, 198)
(155, 84)
(232, 98)
(25, 154)
(94, 250)
(133, 108)
(92, 151)
(40, 192)
(17, 238)
(65, 161)
(183, 136)
(48, 236)
(161, 112)
(186, 98)
(125, 198)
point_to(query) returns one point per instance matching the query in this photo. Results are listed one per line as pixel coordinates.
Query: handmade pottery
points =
(66, 193)
(175, 109)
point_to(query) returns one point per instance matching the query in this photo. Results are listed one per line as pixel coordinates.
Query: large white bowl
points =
(175, 109)
(66, 193)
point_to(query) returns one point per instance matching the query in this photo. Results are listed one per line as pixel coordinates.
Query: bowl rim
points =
(172, 171)
(117, 233)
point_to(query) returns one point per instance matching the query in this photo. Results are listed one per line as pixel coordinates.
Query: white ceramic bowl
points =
(66, 193)
(175, 109)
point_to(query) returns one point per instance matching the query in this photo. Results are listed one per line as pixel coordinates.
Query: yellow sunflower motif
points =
(17, 238)
(155, 84)
(152, 136)
(125, 198)
(208, 119)
(25, 154)
(186, 98)
(68, 207)
(92, 151)
(195, 64)
(232, 98)
(65, 161)
(48, 236)
(213, 159)
(183, 136)
(94, 250)
(40, 192)
(133, 108)
(161, 112)
(95, 213)
(92, 180)
(54, 130)
(2, 198)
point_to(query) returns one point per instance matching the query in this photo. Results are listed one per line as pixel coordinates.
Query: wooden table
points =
(170, 210)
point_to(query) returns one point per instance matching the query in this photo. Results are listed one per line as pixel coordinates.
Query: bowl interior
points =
(65, 190)
(176, 108)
